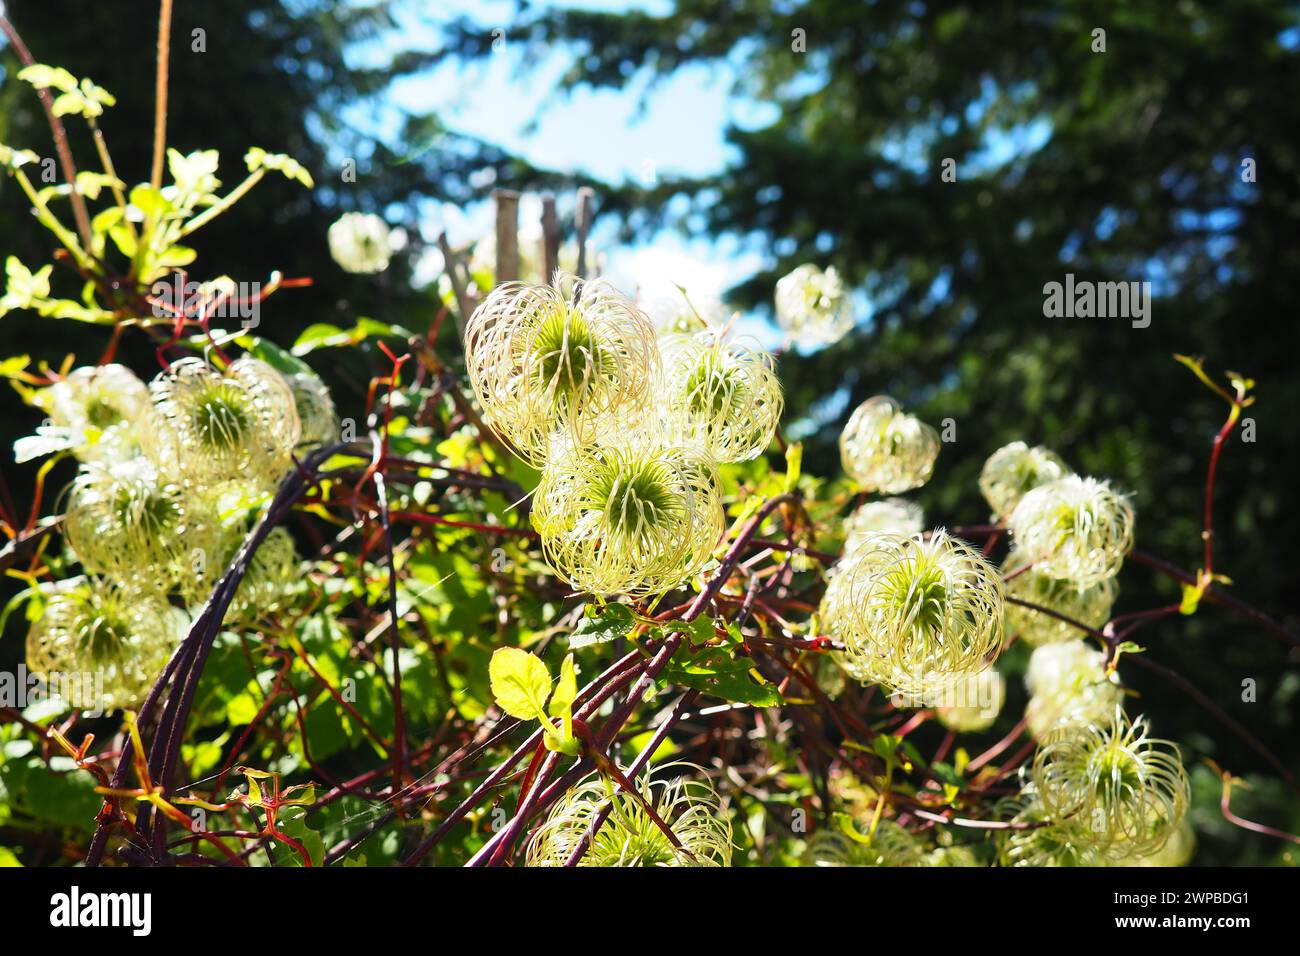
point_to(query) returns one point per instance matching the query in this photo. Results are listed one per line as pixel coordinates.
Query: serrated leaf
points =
(720, 673)
(520, 683)
(615, 621)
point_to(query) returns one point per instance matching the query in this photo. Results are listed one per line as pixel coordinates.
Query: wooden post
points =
(449, 266)
(550, 239)
(585, 199)
(507, 235)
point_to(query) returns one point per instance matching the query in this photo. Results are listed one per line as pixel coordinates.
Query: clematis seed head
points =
(886, 450)
(915, 614)
(637, 518)
(558, 359)
(1015, 469)
(1076, 529)
(629, 836)
(121, 636)
(813, 307)
(208, 425)
(1126, 790)
(719, 393)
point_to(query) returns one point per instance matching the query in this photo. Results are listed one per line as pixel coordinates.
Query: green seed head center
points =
(102, 414)
(103, 635)
(567, 353)
(711, 387)
(221, 418)
(636, 498)
(919, 595)
(1117, 772)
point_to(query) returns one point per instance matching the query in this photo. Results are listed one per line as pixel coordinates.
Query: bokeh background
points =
(722, 157)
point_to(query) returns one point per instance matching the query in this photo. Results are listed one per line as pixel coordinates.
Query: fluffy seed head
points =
(719, 393)
(360, 242)
(269, 577)
(128, 521)
(890, 846)
(1177, 852)
(1068, 684)
(1037, 840)
(889, 514)
(558, 358)
(1076, 529)
(101, 405)
(1126, 790)
(1089, 605)
(915, 614)
(629, 836)
(209, 425)
(1015, 469)
(122, 636)
(885, 450)
(813, 307)
(634, 519)
(976, 701)
(320, 423)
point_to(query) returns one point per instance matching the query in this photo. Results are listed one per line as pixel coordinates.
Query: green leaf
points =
(71, 309)
(42, 77)
(323, 335)
(195, 175)
(566, 690)
(793, 465)
(520, 683)
(12, 158)
(152, 203)
(59, 794)
(176, 257)
(719, 672)
(701, 630)
(296, 826)
(319, 335)
(257, 158)
(611, 623)
(283, 362)
(24, 287)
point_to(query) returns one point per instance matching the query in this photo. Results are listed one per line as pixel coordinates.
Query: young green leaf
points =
(566, 690)
(615, 621)
(520, 683)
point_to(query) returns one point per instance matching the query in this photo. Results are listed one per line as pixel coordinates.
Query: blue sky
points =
(674, 128)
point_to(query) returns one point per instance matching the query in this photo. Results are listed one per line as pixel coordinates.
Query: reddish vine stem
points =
(642, 759)
(160, 92)
(187, 663)
(507, 835)
(630, 662)
(1244, 735)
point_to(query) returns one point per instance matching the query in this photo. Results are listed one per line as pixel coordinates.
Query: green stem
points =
(212, 212)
